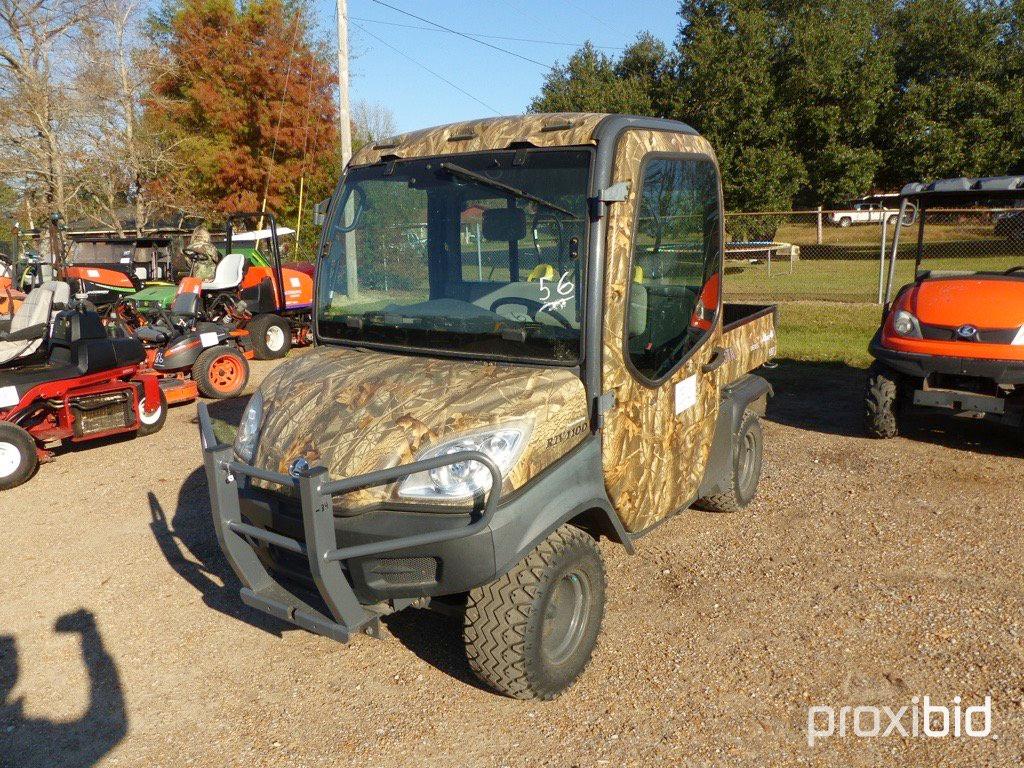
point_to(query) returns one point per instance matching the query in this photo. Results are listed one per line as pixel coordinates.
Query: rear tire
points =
(845, 222)
(18, 458)
(531, 633)
(151, 423)
(271, 337)
(881, 403)
(220, 372)
(747, 461)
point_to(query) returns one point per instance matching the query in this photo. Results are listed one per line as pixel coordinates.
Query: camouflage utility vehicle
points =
(521, 347)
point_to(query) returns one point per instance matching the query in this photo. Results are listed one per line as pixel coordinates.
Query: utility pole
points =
(345, 131)
(344, 114)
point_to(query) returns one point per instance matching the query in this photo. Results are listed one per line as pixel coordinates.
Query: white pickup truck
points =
(862, 213)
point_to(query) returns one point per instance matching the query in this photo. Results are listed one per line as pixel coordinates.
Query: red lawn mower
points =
(91, 386)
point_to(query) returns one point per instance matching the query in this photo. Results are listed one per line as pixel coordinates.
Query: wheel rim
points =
(149, 418)
(565, 616)
(225, 373)
(10, 459)
(745, 470)
(275, 338)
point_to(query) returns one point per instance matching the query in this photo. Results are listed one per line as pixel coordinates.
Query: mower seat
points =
(30, 323)
(183, 308)
(79, 347)
(228, 274)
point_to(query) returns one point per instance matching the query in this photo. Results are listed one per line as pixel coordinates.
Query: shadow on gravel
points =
(822, 397)
(828, 398)
(189, 543)
(436, 639)
(28, 741)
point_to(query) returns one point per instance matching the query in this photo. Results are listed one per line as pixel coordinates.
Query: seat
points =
(80, 347)
(228, 274)
(30, 323)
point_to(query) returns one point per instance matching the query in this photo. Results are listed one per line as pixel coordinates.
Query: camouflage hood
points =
(356, 411)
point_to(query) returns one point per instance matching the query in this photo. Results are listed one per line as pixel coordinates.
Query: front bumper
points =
(244, 525)
(922, 365)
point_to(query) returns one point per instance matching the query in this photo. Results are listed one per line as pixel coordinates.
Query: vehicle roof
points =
(552, 129)
(965, 188)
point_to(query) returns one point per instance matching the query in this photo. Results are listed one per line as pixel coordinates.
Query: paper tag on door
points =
(686, 394)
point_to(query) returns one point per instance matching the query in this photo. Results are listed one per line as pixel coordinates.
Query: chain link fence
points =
(828, 268)
(832, 256)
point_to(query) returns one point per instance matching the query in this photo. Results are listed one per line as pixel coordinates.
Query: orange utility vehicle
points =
(951, 342)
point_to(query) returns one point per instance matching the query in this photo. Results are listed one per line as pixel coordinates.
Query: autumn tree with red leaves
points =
(249, 103)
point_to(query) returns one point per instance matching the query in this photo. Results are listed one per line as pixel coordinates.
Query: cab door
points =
(662, 324)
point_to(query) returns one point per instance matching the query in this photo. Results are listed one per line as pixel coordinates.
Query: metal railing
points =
(320, 546)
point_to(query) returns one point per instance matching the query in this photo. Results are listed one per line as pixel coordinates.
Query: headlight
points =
(905, 324)
(249, 429)
(465, 479)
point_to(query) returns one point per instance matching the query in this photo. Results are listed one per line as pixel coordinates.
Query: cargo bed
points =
(748, 331)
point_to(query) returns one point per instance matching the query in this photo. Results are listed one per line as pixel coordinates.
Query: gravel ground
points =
(865, 573)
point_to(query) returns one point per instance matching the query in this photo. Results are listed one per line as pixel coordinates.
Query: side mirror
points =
(320, 212)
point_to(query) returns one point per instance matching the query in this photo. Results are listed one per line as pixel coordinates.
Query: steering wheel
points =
(533, 307)
(1011, 270)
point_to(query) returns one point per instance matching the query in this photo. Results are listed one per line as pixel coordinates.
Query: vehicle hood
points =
(355, 411)
(981, 301)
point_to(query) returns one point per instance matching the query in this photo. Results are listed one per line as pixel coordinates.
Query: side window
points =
(674, 291)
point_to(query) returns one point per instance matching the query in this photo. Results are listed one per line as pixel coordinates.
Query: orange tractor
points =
(951, 342)
(251, 307)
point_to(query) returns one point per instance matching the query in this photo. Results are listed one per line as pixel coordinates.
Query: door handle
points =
(721, 356)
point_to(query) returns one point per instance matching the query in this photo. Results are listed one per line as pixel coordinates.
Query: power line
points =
(423, 66)
(491, 37)
(583, 10)
(463, 34)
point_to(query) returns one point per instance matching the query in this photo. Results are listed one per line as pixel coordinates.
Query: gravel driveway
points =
(866, 573)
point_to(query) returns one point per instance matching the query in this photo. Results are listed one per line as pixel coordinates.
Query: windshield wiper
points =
(458, 170)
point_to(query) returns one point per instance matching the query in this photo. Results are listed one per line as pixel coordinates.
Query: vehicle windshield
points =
(479, 254)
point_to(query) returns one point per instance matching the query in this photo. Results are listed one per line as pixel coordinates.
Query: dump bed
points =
(749, 333)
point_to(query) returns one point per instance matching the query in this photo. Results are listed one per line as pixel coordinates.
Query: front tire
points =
(18, 457)
(531, 633)
(271, 337)
(881, 403)
(845, 222)
(220, 372)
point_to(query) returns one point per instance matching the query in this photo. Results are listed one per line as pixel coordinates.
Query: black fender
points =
(747, 393)
(571, 491)
(182, 352)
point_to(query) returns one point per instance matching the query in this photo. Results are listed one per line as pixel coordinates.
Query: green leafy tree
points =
(725, 87)
(957, 100)
(593, 82)
(835, 74)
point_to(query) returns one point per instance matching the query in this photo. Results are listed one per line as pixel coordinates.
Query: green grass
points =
(827, 331)
(837, 280)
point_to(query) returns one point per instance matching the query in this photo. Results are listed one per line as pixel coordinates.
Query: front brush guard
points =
(260, 589)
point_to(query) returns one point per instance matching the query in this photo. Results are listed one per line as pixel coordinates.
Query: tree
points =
(371, 122)
(125, 153)
(592, 82)
(725, 87)
(39, 108)
(248, 101)
(957, 98)
(835, 75)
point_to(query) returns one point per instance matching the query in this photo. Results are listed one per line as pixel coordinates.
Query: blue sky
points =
(502, 82)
